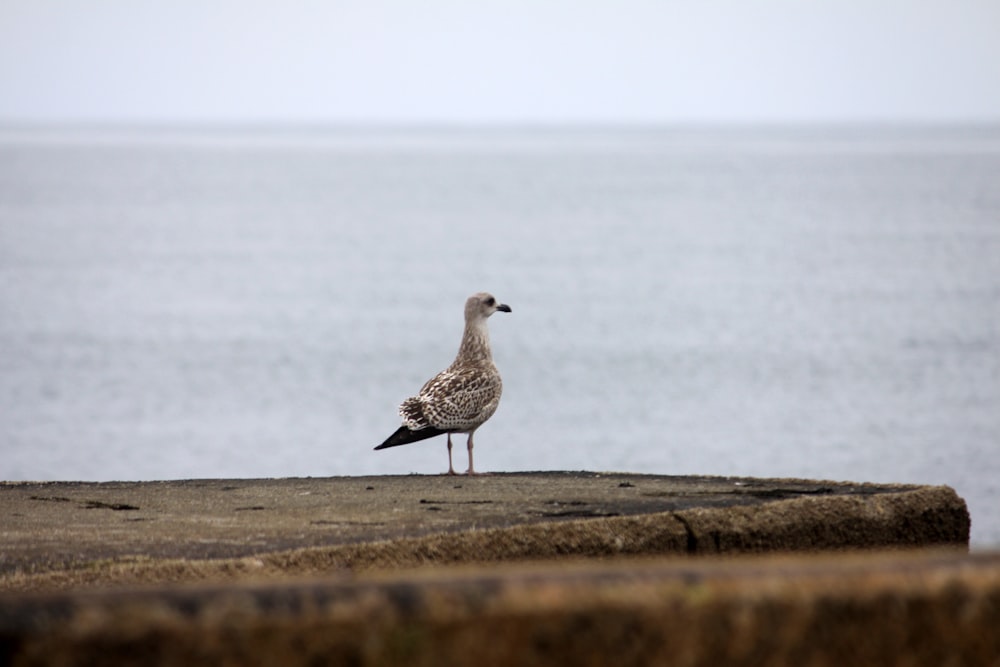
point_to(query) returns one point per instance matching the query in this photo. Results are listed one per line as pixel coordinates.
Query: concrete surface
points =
(70, 534)
(509, 569)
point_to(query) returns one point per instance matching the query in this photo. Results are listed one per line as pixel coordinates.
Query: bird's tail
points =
(404, 436)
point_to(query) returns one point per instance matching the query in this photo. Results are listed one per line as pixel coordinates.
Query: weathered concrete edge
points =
(922, 517)
(928, 516)
(913, 608)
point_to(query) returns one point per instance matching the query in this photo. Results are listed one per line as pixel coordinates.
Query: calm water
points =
(812, 303)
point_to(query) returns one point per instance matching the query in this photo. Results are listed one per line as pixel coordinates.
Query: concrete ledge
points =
(513, 569)
(67, 535)
(875, 609)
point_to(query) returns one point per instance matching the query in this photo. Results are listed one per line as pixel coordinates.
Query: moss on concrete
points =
(874, 609)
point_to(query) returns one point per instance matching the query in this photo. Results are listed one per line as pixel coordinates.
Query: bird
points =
(463, 396)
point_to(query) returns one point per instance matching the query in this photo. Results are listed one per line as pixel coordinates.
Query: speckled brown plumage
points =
(463, 396)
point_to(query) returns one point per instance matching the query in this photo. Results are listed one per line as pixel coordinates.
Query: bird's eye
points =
(490, 301)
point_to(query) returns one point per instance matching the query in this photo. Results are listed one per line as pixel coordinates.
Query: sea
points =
(240, 302)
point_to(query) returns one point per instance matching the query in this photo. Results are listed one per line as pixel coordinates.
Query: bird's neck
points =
(475, 343)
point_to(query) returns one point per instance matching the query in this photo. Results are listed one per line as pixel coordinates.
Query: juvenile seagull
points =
(463, 396)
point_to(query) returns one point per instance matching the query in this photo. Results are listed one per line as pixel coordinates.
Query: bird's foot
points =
(476, 473)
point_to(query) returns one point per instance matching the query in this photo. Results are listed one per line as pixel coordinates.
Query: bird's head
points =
(482, 305)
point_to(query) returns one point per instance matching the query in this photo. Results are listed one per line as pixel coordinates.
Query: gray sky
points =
(475, 61)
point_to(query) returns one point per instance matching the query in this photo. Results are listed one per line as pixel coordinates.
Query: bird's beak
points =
(504, 307)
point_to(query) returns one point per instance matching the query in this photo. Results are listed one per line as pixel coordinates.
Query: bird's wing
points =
(404, 436)
(461, 398)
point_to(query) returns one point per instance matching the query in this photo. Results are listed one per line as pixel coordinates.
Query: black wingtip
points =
(404, 436)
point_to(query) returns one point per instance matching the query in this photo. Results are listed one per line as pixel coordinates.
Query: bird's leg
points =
(451, 470)
(471, 470)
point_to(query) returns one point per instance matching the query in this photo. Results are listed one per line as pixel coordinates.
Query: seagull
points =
(463, 396)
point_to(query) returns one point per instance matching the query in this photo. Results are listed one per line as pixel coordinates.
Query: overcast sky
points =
(510, 61)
